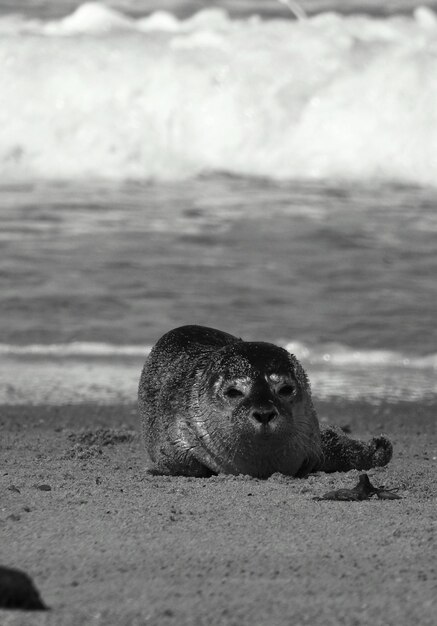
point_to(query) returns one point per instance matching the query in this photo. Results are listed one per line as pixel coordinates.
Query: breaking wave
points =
(101, 94)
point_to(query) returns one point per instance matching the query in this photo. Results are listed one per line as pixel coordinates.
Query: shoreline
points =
(109, 544)
(49, 380)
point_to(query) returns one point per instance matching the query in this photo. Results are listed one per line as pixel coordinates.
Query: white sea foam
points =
(335, 354)
(74, 349)
(343, 356)
(101, 94)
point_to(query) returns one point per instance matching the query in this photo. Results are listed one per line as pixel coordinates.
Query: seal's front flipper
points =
(199, 471)
(341, 453)
(174, 460)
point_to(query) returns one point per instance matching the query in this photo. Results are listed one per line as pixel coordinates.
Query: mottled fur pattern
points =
(211, 403)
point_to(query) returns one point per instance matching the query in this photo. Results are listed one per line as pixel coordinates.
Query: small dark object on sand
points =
(364, 490)
(17, 591)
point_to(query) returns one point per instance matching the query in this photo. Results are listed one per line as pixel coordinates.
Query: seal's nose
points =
(264, 417)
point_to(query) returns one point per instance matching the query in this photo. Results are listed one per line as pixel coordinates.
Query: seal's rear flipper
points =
(341, 453)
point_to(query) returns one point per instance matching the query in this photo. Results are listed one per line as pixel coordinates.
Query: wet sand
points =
(109, 544)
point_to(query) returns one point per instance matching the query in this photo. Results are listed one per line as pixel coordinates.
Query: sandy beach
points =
(275, 179)
(110, 544)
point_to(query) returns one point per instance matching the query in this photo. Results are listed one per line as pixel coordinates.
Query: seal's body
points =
(212, 403)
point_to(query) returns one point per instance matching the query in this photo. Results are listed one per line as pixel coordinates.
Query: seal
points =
(212, 403)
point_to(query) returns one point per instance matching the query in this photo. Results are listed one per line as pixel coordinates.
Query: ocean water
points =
(232, 167)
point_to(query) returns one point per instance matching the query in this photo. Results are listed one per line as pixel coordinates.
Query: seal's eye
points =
(233, 393)
(286, 391)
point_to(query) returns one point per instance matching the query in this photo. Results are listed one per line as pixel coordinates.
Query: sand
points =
(110, 544)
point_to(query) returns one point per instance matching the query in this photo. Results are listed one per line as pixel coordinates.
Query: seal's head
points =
(254, 411)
